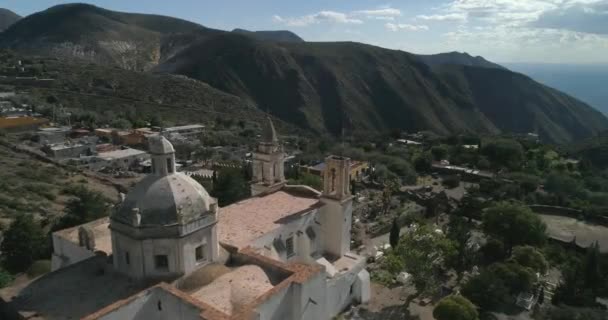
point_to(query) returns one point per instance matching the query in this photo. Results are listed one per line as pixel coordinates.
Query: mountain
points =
(7, 18)
(459, 58)
(278, 35)
(324, 86)
(585, 82)
(132, 41)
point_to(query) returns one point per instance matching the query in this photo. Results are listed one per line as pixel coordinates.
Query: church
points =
(168, 251)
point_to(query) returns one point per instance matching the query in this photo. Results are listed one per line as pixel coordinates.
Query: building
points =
(358, 170)
(70, 149)
(170, 252)
(122, 137)
(53, 135)
(121, 159)
(187, 131)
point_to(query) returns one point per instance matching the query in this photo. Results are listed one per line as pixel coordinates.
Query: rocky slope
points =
(7, 18)
(132, 41)
(325, 86)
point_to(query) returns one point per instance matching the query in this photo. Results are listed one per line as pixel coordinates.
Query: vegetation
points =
(231, 186)
(23, 243)
(84, 207)
(308, 179)
(455, 307)
(514, 224)
(394, 234)
(424, 253)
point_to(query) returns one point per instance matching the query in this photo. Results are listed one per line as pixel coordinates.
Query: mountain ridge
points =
(327, 85)
(272, 35)
(130, 40)
(7, 18)
(324, 87)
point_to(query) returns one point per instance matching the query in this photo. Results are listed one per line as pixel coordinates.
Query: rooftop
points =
(123, 153)
(101, 232)
(186, 127)
(236, 289)
(71, 292)
(244, 221)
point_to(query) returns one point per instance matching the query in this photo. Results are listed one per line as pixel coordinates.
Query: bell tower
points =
(268, 162)
(336, 215)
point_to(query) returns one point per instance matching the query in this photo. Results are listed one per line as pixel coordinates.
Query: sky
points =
(547, 31)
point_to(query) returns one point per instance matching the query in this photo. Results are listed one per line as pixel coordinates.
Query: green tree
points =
(497, 284)
(86, 206)
(593, 276)
(424, 253)
(455, 307)
(459, 231)
(492, 251)
(486, 290)
(394, 235)
(530, 257)
(23, 243)
(423, 162)
(5, 278)
(308, 179)
(439, 152)
(563, 186)
(514, 224)
(230, 186)
(504, 152)
(121, 123)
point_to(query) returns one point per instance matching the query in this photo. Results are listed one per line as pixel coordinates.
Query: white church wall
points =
(310, 301)
(276, 307)
(188, 245)
(342, 290)
(164, 305)
(155, 303)
(296, 229)
(335, 218)
(66, 252)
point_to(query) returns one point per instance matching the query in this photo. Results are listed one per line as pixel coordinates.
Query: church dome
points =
(166, 200)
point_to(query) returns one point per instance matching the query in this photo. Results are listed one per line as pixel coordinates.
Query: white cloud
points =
(379, 14)
(404, 26)
(327, 16)
(319, 17)
(443, 17)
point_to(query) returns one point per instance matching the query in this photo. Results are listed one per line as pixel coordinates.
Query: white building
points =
(282, 254)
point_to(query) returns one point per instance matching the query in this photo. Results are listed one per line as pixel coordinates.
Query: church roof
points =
(242, 222)
(165, 200)
(236, 289)
(269, 134)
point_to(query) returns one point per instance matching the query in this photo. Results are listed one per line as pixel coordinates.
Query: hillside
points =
(458, 58)
(594, 150)
(323, 86)
(278, 35)
(132, 41)
(7, 18)
(113, 92)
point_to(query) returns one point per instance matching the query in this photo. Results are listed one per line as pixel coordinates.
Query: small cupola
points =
(163, 156)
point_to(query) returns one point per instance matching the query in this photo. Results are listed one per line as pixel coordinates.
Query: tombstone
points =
(86, 238)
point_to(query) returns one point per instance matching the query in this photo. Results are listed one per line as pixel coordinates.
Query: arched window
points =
(169, 165)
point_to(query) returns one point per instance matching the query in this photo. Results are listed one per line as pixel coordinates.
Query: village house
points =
(168, 251)
(358, 170)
